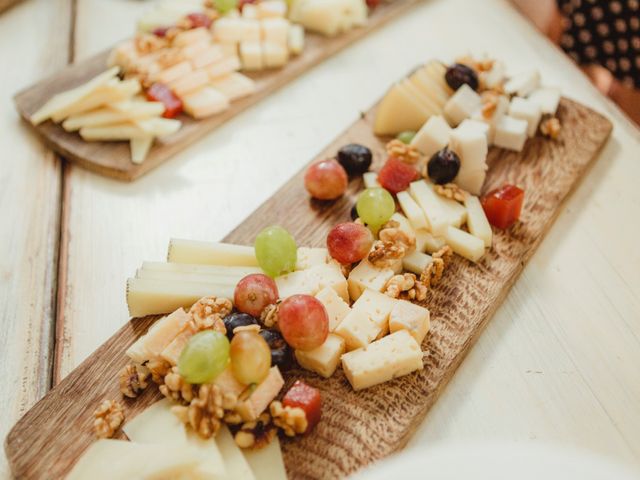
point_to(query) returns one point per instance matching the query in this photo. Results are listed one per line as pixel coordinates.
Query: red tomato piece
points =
(159, 92)
(199, 19)
(503, 205)
(396, 176)
(307, 398)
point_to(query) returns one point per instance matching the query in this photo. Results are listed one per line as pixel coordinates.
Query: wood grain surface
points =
(113, 159)
(357, 427)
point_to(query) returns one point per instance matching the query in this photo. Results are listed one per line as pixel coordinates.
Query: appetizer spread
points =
(187, 57)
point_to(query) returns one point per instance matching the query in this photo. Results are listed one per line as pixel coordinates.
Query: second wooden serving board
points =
(357, 428)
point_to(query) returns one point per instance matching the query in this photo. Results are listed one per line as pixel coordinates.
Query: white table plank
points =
(573, 316)
(33, 43)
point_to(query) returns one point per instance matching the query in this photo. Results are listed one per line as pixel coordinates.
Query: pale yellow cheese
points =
(335, 306)
(365, 275)
(192, 268)
(407, 229)
(234, 461)
(262, 396)
(204, 102)
(234, 85)
(109, 116)
(310, 257)
(228, 30)
(228, 382)
(162, 333)
(211, 253)
(427, 242)
(357, 329)
(251, 31)
(267, 462)
(329, 275)
(465, 244)
(295, 39)
(410, 317)
(416, 262)
(397, 112)
(454, 212)
(477, 220)
(430, 204)
(251, 55)
(140, 148)
(275, 30)
(172, 352)
(190, 37)
(209, 56)
(194, 50)
(174, 72)
(189, 83)
(370, 180)
(390, 357)
(377, 306)
(272, 8)
(325, 359)
(274, 55)
(412, 210)
(295, 283)
(227, 65)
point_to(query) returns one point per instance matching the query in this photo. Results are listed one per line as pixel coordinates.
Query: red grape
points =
(254, 292)
(396, 176)
(326, 180)
(349, 242)
(303, 322)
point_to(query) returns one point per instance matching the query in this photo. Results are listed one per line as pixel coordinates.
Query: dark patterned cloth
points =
(604, 32)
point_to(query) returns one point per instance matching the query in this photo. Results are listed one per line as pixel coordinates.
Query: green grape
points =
(250, 357)
(276, 251)
(375, 207)
(224, 6)
(406, 136)
(204, 357)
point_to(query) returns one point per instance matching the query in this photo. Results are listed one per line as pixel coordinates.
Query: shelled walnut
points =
(550, 127)
(257, 433)
(269, 316)
(206, 410)
(432, 274)
(146, 43)
(176, 388)
(391, 232)
(133, 379)
(158, 369)
(292, 420)
(209, 312)
(451, 191)
(403, 152)
(407, 287)
(383, 254)
(108, 418)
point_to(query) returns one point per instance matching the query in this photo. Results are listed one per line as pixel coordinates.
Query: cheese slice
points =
(410, 317)
(335, 306)
(204, 102)
(234, 85)
(365, 275)
(431, 206)
(251, 55)
(429, 87)
(454, 212)
(416, 262)
(267, 462)
(397, 112)
(465, 244)
(427, 103)
(192, 268)
(175, 72)
(231, 277)
(390, 357)
(262, 396)
(274, 55)
(208, 56)
(310, 257)
(477, 220)
(227, 65)
(427, 242)
(211, 253)
(370, 180)
(357, 329)
(189, 83)
(109, 116)
(295, 39)
(140, 148)
(235, 462)
(325, 359)
(377, 306)
(432, 136)
(191, 37)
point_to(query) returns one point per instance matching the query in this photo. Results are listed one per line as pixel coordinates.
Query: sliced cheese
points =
(416, 262)
(431, 206)
(462, 105)
(235, 462)
(267, 462)
(357, 329)
(477, 220)
(234, 85)
(390, 357)
(251, 55)
(274, 55)
(204, 102)
(427, 242)
(275, 30)
(325, 359)
(370, 180)
(224, 67)
(189, 83)
(397, 112)
(335, 306)
(261, 396)
(465, 244)
(410, 317)
(365, 275)
(109, 116)
(211, 253)
(140, 148)
(190, 268)
(191, 37)
(432, 136)
(295, 39)
(312, 280)
(175, 72)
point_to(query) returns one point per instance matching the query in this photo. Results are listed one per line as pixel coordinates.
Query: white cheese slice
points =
(365, 275)
(190, 82)
(429, 86)
(295, 283)
(251, 55)
(295, 39)
(412, 210)
(431, 206)
(476, 125)
(416, 262)
(274, 55)
(272, 8)
(462, 105)
(472, 147)
(260, 398)
(495, 77)
(528, 111)
(432, 136)
(208, 56)
(211, 253)
(427, 242)
(192, 37)
(427, 103)
(335, 306)
(325, 359)
(227, 278)
(228, 30)
(511, 133)
(267, 462)
(523, 83)
(275, 30)
(234, 85)
(357, 329)
(225, 66)
(140, 148)
(406, 227)
(547, 98)
(370, 180)
(477, 220)
(194, 50)
(502, 106)
(465, 244)
(251, 30)
(250, 10)
(377, 306)
(454, 212)
(410, 317)
(390, 357)
(204, 102)
(235, 461)
(397, 112)
(191, 268)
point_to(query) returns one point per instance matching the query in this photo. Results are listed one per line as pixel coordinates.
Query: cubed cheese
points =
(191, 37)
(228, 383)
(462, 105)
(357, 329)
(262, 396)
(427, 242)
(465, 244)
(511, 133)
(390, 357)
(377, 306)
(251, 30)
(194, 50)
(476, 125)
(295, 39)
(312, 280)
(163, 332)
(272, 8)
(274, 55)
(412, 210)
(523, 83)
(311, 257)
(275, 30)
(171, 352)
(335, 306)
(250, 11)
(471, 145)
(370, 180)
(295, 283)
(431, 206)
(528, 111)
(416, 262)
(251, 55)
(547, 98)
(174, 72)
(204, 102)
(410, 317)
(234, 85)
(494, 78)
(432, 136)
(228, 30)
(224, 67)
(209, 56)
(477, 220)
(189, 82)
(365, 275)
(325, 359)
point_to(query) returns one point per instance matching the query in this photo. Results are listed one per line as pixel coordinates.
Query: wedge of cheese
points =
(325, 359)
(235, 462)
(267, 462)
(211, 253)
(398, 111)
(390, 357)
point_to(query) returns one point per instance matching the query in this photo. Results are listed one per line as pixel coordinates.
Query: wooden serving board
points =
(113, 159)
(357, 428)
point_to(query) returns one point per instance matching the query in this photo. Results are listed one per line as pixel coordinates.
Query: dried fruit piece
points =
(159, 92)
(308, 399)
(396, 175)
(503, 205)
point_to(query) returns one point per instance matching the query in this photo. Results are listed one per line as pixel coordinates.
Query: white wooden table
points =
(558, 363)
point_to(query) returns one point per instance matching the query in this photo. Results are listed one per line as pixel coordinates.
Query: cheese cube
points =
(163, 332)
(431, 206)
(523, 83)
(494, 77)
(511, 133)
(412, 210)
(262, 396)
(310, 257)
(432, 136)
(294, 283)
(427, 242)
(370, 180)
(272, 8)
(526, 110)
(224, 67)
(250, 11)
(390, 357)
(274, 55)
(228, 383)
(357, 329)
(477, 220)
(174, 72)
(251, 30)
(208, 56)
(465, 244)
(502, 106)
(475, 125)
(229, 30)
(472, 147)
(234, 85)
(194, 50)
(251, 55)
(410, 317)
(275, 30)
(366, 275)
(295, 39)
(547, 98)
(192, 37)
(204, 102)
(189, 83)
(325, 359)
(329, 275)
(416, 262)
(462, 105)
(335, 306)
(377, 306)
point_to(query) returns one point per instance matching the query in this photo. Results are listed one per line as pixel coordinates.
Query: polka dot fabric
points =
(604, 32)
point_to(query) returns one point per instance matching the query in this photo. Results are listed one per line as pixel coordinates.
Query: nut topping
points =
(451, 191)
(133, 379)
(292, 420)
(403, 152)
(108, 418)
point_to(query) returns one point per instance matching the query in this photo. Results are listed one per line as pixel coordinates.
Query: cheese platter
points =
(315, 338)
(201, 63)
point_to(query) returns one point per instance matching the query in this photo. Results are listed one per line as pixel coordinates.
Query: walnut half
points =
(133, 379)
(108, 418)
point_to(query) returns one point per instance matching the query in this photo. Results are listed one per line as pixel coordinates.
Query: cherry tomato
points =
(307, 398)
(396, 176)
(159, 92)
(503, 205)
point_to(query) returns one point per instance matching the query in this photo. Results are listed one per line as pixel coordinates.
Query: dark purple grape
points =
(354, 212)
(235, 320)
(280, 351)
(443, 166)
(355, 159)
(459, 74)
